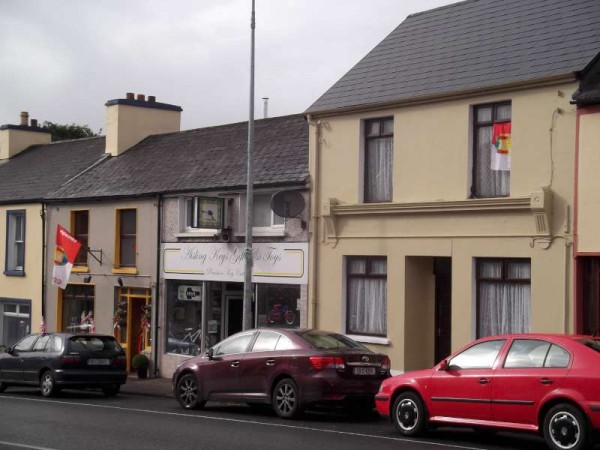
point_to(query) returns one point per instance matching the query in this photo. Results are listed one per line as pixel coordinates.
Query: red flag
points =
(64, 256)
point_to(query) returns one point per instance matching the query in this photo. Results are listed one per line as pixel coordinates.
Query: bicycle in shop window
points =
(188, 344)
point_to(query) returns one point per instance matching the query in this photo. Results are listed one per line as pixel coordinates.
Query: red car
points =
(288, 369)
(543, 383)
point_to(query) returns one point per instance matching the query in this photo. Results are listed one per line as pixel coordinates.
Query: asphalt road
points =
(89, 421)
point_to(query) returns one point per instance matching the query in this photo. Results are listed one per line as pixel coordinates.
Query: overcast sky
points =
(62, 60)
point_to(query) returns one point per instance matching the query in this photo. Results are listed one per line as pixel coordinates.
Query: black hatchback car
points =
(54, 361)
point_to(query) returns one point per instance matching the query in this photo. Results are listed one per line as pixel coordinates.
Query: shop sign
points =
(189, 293)
(284, 263)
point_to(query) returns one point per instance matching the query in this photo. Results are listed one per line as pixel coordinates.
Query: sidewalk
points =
(155, 387)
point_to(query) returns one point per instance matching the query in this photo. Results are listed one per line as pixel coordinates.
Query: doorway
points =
(234, 314)
(442, 269)
(135, 340)
(589, 295)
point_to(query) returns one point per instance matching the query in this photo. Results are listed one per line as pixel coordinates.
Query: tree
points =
(63, 132)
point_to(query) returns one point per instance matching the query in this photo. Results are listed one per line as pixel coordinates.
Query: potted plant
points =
(140, 363)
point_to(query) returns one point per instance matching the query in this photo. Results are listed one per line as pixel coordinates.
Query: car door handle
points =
(270, 362)
(484, 380)
(546, 381)
(235, 363)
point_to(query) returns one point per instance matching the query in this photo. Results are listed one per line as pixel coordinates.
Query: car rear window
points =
(92, 344)
(325, 341)
(594, 344)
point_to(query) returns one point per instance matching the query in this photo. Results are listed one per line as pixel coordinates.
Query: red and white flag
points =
(64, 256)
(43, 326)
(501, 146)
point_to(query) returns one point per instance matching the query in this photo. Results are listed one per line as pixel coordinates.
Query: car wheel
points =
(111, 390)
(48, 385)
(409, 414)
(187, 392)
(286, 399)
(565, 428)
(3, 387)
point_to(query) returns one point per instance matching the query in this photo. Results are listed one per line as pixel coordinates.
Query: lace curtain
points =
(367, 299)
(378, 175)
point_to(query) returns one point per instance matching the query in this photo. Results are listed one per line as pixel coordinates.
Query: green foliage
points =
(62, 132)
(140, 361)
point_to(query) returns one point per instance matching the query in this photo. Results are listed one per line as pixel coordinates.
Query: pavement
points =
(154, 387)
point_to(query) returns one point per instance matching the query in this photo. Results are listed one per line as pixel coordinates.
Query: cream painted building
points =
(442, 183)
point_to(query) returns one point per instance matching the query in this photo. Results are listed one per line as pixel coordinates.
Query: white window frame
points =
(273, 230)
(188, 230)
(15, 246)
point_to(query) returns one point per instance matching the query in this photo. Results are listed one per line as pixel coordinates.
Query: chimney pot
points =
(34, 123)
(130, 96)
(24, 118)
(141, 97)
(151, 98)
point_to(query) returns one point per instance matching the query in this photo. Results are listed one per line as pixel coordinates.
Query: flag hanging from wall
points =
(64, 256)
(501, 146)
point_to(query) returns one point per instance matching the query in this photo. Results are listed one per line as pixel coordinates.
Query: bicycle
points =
(281, 313)
(188, 345)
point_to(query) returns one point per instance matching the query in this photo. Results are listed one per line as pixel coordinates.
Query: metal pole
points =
(247, 307)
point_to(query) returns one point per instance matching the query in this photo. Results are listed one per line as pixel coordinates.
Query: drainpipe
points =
(154, 334)
(314, 224)
(44, 252)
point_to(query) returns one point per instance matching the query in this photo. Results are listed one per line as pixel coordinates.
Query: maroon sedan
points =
(289, 369)
(549, 384)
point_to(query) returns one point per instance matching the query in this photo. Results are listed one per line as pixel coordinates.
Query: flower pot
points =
(142, 373)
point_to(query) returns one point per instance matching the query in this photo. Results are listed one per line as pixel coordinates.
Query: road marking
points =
(32, 447)
(250, 422)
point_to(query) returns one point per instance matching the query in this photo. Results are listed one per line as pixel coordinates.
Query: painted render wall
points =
(432, 151)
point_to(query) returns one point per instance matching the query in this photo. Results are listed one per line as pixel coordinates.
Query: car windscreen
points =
(326, 341)
(594, 344)
(93, 344)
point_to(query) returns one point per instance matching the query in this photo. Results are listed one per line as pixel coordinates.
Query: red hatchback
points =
(289, 369)
(549, 384)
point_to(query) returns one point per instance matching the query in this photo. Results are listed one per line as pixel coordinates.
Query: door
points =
(34, 360)
(234, 314)
(464, 390)
(259, 366)
(443, 307)
(134, 328)
(11, 365)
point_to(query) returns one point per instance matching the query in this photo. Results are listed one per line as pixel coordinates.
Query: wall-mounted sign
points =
(280, 263)
(189, 293)
(210, 212)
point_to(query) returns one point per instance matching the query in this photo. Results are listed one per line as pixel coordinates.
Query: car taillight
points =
(385, 364)
(121, 361)
(70, 359)
(327, 362)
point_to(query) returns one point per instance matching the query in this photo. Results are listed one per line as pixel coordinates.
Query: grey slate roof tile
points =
(471, 45)
(211, 158)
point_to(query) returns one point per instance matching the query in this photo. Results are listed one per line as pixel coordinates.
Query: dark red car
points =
(289, 369)
(548, 384)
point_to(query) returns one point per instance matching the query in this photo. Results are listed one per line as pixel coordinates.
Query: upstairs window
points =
(127, 238)
(492, 150)
(15, 243)
(379, 150)
(264, 217)
(79, 230)
(204, 212)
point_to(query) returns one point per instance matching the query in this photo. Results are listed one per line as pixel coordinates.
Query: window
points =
(237, 344)
(79, 230)
(40, 344)
(77, 308)
(533, 353)
(204, 212)
(126, 244)
(24, 345)
(492, 150)
(479, 356)
(264, 217)
(503, 296)
(184, 317)
(266, 341)
(16, 321)
(15, 243)
(366, 308)
(277, 305)
(379, 150)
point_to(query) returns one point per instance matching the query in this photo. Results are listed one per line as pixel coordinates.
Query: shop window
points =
(79, 230)
(378, 160)
(16, 321)
(15, 243)
(503, 296)
(278, 305)
(126, 243)
(76, 305)
(184, 317)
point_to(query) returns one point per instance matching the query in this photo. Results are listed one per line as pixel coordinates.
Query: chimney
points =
(132, 119)
(16, 138)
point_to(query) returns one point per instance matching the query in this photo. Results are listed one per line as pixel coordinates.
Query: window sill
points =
(14, 273)
(80, 269)
(125, 270)
(369, 339)
(208, 232)
(265, 232)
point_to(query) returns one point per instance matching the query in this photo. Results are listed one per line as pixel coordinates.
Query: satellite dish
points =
(287, 203)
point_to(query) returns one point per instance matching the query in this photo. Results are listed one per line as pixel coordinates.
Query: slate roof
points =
(40, 169)
(475, 44)
(211, 158)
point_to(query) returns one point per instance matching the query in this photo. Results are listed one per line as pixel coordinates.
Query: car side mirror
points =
(444, 365)
(209, 353)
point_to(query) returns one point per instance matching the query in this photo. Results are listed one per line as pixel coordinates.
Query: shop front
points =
(203, 293)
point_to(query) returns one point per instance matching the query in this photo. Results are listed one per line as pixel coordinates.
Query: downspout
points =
(154, 326)
(314, 224)
(44, 253)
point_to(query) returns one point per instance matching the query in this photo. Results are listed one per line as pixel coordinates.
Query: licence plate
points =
(98, 362)
(364, 371)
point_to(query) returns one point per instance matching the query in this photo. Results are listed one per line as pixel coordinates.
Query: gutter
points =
(155, 309)
(314, 225)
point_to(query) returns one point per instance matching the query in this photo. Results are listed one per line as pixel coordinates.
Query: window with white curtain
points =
(379, 151)
(492, 150)
(15, 243)
(503, 296)
(366, 305)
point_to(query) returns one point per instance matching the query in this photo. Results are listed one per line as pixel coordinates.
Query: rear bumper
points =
(331, 388)
(88, 378)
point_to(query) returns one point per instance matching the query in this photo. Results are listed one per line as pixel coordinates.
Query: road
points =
(89, 421)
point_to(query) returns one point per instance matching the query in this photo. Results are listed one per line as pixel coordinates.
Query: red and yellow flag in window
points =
(64, 256)
(501, 146)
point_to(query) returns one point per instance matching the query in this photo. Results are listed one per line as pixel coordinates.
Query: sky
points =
(63, 60)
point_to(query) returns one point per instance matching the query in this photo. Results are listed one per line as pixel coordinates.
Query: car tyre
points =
(408, 414)
(566, 428)
(286, 399)
(48, 385)
(111, 390)
(187, 392)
